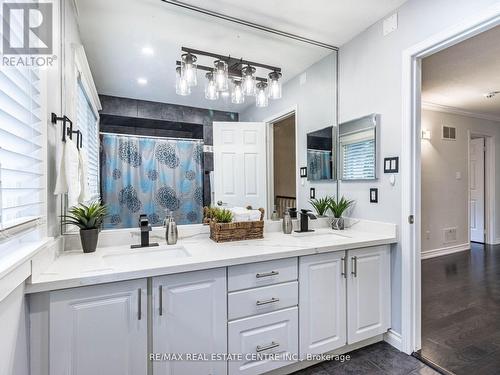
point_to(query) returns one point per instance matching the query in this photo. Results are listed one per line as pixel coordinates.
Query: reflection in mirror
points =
(358, 148)
(158, 99)
(321, 154)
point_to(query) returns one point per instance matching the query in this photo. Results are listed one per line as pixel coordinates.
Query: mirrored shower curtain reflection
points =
(142, 175)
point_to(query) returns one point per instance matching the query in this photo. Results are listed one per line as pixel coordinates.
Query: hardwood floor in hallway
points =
(461, 310)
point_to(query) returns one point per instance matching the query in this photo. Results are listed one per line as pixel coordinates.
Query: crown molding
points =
(457, 111)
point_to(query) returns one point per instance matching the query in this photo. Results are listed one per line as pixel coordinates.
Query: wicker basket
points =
(239, 231)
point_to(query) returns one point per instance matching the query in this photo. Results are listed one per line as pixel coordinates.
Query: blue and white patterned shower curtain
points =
(151, 176)
(319, 164)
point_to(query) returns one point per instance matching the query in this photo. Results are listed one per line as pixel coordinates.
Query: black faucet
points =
(305, 215)
(145, 229)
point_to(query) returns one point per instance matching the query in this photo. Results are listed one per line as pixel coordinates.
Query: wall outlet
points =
(427, 234)
(450, 235)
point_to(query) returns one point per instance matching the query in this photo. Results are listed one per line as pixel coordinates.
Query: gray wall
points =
(315, 102)
(444, 197)
(370, 81)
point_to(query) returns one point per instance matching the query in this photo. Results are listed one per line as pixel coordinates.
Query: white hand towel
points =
(72, 171)
(61, 184)
(84, 188)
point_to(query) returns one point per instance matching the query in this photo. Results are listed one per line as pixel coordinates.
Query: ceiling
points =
(461, 75)
(114, 32)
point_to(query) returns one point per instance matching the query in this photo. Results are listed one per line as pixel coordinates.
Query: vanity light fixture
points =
(221, 75)
(274, 85)
(261, 97)
(181, 86)
(211, 92)
(142, 81)
(248, 79)
(188, 68)
(237, 94)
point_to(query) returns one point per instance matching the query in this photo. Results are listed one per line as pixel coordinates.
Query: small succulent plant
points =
(85, 217)
(321, 205)
(338, 207)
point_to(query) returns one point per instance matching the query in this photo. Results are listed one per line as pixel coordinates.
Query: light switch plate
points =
(312, 193)
(373, 195)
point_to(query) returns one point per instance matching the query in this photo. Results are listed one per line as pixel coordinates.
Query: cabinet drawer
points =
(274, 333)
(262, 300)
(252, 275)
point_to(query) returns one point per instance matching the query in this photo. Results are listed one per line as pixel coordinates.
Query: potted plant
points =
(89, 219)
(338, 207)
(321, 205)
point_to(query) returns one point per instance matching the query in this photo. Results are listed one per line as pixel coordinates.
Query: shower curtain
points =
(151, 176)
(319, 164)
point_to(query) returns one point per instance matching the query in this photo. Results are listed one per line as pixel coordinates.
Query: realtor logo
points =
(27, 28)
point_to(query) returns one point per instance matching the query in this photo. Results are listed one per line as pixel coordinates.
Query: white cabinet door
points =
(99, 330)
(368, 292)
(240, 163)
(190, 316)
(322, 302)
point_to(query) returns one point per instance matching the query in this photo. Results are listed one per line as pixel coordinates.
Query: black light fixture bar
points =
(231, 72)
(251, 24)
(229, 60)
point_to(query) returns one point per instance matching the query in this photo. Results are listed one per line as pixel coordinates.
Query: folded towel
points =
(68, 178)
(243, 214)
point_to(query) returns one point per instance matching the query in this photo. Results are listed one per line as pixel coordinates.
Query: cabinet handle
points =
(160, 291)
(267, 274)
(265, 302)
(344, 268)
(261, 348)
(354, 271)
(139, 302)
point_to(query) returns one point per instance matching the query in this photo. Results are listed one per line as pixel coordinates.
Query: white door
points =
(240, 163)
(368, 293)
(476, 176)
(322, 303)
(99, 329)
(190, 316)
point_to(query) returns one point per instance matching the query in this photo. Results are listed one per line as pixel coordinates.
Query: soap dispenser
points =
(171, 233)
(287, 222)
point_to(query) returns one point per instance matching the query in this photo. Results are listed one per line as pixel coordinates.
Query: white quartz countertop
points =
(196, 252)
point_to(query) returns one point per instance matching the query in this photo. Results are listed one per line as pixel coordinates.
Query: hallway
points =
(461, 310)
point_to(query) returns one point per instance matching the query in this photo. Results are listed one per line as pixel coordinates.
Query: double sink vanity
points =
(199, 307)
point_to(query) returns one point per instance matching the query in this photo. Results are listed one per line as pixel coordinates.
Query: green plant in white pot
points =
(89, 219)
(321, 205)
(338, 207)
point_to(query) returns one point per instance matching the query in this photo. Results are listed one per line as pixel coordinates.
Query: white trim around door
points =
(410, 162)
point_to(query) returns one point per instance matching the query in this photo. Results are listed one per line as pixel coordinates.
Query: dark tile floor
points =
(461, 311)
(377, 359)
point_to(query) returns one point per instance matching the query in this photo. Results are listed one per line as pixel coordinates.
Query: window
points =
(87, 123)
(22, 147)
(358, 156)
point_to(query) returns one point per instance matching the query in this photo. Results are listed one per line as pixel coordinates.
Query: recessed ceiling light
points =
(142, 81)
(148, 51)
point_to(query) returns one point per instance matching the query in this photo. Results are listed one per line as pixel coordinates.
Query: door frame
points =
(489, 185)
(270, 121)
(410, 162)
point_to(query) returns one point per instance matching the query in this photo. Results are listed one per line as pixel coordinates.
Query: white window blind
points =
(358, 156)
(88, 125)
(22, 184)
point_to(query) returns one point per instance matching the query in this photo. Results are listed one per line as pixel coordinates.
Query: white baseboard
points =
(445, 251)
(393, 338)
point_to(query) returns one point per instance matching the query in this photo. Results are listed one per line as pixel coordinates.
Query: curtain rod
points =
(153, 137)
(251, 24)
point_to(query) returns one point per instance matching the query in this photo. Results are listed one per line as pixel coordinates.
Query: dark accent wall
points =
(141, 117)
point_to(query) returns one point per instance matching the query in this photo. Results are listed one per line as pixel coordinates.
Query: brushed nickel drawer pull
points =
(265, 302)
(354, 271)
(344, 268)
(266, 274)
(139, 302)
(261, 348)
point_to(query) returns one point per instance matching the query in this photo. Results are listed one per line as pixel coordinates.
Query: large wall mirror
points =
(321, 154)
(358, 148)
(157, 108)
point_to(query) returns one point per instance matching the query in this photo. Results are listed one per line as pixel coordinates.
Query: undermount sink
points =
(157, 253)
(320, 233)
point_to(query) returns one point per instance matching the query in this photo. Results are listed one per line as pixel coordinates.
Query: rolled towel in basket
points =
(243, 214)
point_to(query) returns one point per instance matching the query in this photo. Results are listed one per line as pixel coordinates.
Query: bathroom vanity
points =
(290, 295)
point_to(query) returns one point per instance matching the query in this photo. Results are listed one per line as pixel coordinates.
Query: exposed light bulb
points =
(221, 75)
(181, 85)
(211, 92)
(142, 81)
(248, 80)
(261, 97)
(189, 68)
(274, 85)
(237, 96)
